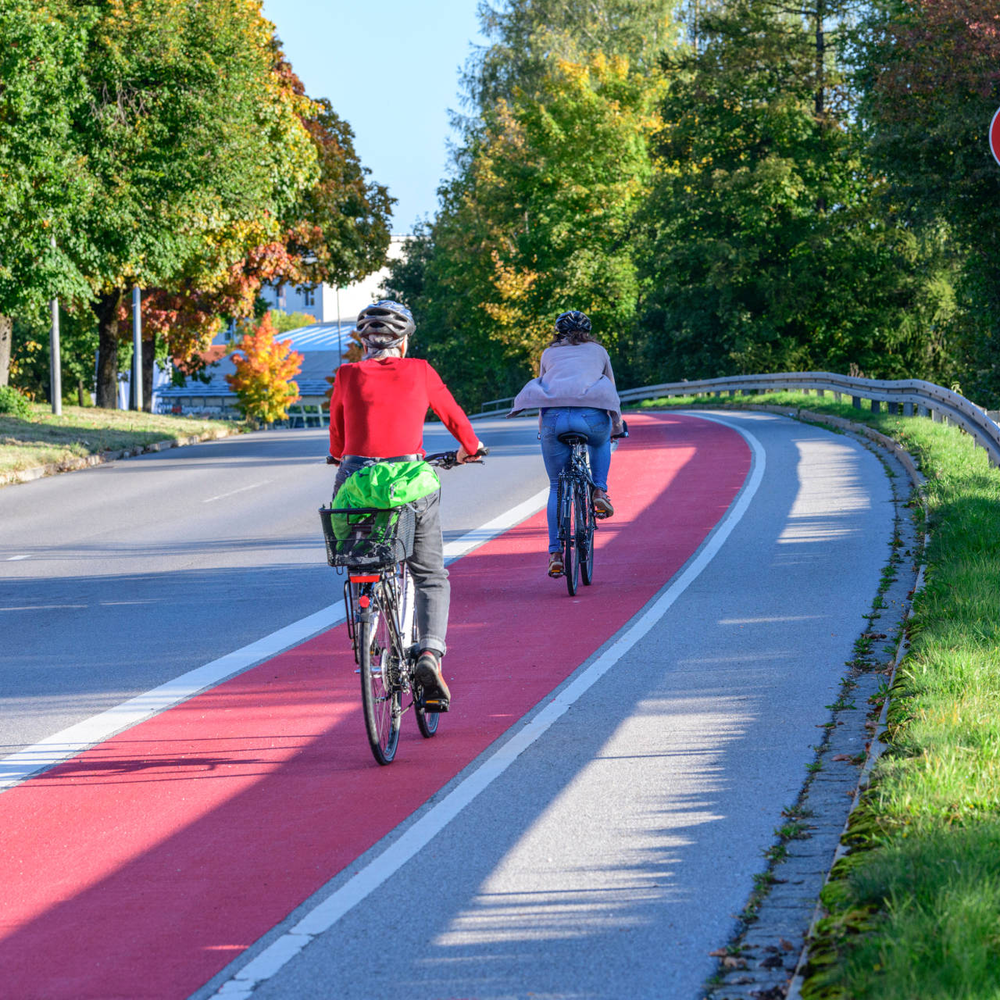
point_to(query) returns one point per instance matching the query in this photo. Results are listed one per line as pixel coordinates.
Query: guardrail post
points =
(907, 409)
(876, 406)
(893, 408)
(937, 417)
(836, 396)
(856, 400)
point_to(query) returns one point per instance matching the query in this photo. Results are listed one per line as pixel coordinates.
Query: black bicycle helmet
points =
(573, 320)
(384, 324)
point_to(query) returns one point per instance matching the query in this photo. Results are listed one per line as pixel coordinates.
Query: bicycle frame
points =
(380, 603)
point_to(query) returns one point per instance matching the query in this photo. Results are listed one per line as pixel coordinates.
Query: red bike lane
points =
(141, 867)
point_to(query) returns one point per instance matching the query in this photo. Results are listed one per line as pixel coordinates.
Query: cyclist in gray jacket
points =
(575, 394)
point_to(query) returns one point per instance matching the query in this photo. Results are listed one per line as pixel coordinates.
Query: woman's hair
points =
(573, 337)
(376, 347)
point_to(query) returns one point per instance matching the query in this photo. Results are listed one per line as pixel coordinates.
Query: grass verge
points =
(914, 906)
(79, 432)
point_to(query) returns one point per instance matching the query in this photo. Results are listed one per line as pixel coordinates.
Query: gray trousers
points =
(426, 565)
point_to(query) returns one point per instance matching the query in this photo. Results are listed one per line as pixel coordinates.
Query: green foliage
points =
(41, 175)
(282, 321)
(527, 40)
(538, 221)
(30, 365)
(764, 218)
(930, 80)
(345, 217)
(14, 403)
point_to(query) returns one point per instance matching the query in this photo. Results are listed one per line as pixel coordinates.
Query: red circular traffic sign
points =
(995, 136)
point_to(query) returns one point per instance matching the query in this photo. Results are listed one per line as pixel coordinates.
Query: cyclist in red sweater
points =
(377, 414)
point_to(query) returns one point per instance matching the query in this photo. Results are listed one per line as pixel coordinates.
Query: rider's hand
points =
(330, 460)
(462, 456)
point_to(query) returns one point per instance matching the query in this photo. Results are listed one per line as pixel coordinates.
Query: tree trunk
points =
(6, 336)
(106, 309)
(148, 365)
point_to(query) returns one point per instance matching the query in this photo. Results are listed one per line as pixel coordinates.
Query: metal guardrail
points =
(494, 406)
(910, 397)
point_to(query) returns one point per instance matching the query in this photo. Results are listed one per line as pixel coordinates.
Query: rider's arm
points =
(337, 417)
(452, 415)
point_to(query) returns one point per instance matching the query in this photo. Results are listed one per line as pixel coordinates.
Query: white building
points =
(328, 304)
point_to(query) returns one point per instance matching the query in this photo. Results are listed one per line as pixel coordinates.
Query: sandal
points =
(556, 567)
(602, 504)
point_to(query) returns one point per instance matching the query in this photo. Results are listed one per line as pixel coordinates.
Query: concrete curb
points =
(102, 458)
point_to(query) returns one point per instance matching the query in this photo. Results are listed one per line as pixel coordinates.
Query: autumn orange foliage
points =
(265, 372)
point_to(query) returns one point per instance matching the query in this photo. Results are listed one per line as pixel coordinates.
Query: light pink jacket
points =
(573, 375)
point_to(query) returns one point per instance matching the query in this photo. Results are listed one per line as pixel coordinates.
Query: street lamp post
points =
(55, 362)
(136, 393)
(55, 358)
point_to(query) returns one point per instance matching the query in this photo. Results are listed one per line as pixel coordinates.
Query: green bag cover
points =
(385, 484)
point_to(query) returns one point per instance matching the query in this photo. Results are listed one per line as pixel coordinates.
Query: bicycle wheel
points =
(571, 562)
(585, 533)
(380, 693)
(427, 722)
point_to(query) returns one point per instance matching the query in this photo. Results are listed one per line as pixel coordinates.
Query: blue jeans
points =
(589, 423)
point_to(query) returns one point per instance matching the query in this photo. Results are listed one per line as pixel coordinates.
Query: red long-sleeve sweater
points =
(379, 406)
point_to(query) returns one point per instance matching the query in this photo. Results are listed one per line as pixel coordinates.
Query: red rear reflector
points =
(365, 579)
(364, 601)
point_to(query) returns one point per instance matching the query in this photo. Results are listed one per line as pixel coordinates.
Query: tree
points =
(930, 80)
(264, 374)
(767, 247)
(337, 230)
(527, 38)
(194, 144)
(41, 175)
(538, 214)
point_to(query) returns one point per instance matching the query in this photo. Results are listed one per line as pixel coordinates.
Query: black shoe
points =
(427, 673)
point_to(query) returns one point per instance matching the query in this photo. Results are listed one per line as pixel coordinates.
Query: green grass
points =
(44, 439)
(915, 906)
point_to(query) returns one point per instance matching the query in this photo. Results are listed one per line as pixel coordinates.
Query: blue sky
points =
(391, 68)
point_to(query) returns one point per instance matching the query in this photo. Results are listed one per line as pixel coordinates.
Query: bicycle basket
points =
(367, 537)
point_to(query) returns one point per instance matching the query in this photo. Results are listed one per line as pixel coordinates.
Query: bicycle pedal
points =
(436, 704)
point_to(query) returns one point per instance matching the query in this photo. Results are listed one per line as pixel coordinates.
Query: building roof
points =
(320, 344)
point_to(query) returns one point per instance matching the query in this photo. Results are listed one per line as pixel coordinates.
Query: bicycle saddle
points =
(569, 437)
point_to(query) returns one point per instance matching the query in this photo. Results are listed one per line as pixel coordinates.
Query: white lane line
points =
(233, 493)
(77, 738)
(16, 558)
(326, 913)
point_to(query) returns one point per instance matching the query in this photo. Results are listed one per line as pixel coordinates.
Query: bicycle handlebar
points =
(441, 459)
(449, 459)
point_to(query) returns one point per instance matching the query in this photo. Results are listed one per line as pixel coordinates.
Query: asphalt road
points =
(599, 848)
(118, 578)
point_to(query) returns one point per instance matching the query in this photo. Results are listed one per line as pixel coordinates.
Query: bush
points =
(13, 403)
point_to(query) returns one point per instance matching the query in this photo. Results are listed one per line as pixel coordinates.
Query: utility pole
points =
(55, 358)
(136, 392)
(340, 334)
(55, 362)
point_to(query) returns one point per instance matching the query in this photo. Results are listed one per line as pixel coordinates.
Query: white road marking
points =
(16, 558)
(326, 913)
(77, 738)
(233, 493)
